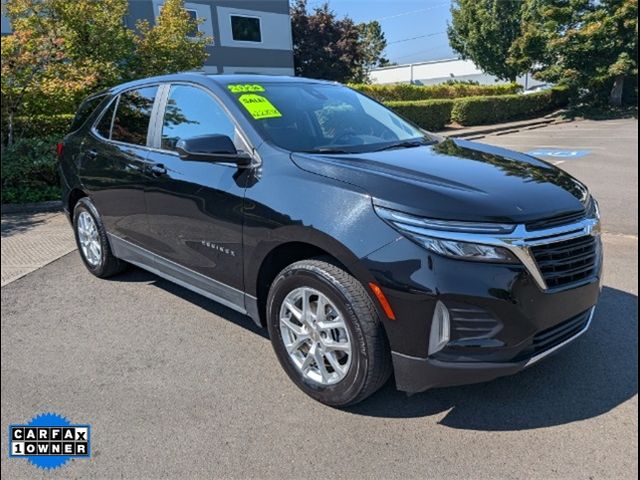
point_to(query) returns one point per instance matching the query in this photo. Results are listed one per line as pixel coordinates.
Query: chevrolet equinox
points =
(364, 244)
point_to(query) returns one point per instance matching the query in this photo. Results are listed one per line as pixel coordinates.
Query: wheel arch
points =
(72, 200)
(275, 257)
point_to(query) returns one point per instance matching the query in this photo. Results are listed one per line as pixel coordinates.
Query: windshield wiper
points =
(405, 144)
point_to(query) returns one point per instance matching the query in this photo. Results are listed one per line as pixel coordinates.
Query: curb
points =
(41, 207)
(28, 272)
(504, 129)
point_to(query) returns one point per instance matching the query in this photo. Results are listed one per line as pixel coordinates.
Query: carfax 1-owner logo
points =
(49, 441)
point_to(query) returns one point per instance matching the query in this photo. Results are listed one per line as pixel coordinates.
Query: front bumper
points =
(415, 374)
(521, 323)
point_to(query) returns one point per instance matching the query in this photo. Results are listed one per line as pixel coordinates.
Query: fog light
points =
(440, 327)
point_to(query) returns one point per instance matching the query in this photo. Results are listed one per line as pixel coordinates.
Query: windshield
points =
(323, 118)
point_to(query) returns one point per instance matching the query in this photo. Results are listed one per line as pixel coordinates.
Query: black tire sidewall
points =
(84, 205)
(343, 392)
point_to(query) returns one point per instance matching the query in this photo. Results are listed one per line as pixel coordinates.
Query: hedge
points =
(39, 126)
(436, 114)
(496, 109)
(427, 114)
(406, 92)
(30, 170)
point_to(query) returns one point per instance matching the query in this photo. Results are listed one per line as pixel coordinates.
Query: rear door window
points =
(133, 114)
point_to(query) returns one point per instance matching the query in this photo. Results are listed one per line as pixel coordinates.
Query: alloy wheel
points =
(315, 336)
(89, 239)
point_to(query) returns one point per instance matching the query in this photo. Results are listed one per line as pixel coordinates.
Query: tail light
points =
(59, 149)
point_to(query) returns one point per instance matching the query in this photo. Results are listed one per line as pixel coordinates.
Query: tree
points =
(373, 43)
(325, 46)
(588, 45)
(61, 50)
(23, 61)
(173, 44)
(484, 30)
(46, 63)
(90, 35)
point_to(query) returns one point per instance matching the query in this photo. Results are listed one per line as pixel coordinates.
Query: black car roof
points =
(221, 79)
(250, 78)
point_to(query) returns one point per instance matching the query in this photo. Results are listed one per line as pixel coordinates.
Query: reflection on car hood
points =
(457, 180)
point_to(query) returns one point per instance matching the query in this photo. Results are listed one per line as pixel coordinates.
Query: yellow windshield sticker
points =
(245, 88)
(258, 106)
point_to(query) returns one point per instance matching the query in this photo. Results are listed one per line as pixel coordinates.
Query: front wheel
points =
(326, 333)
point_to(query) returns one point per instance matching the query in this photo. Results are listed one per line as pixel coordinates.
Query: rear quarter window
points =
(104, 125)
(84, 112)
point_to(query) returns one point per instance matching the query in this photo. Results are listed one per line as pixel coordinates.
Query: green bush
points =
(30, 171)
(26, 194)
(495, 109)
(427, 114)
(39, 126)
(406, 92)
(436, 114)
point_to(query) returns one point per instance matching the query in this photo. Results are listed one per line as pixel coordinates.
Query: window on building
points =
(131, 121)
(192, 112)
(245, 29)
(193, 15)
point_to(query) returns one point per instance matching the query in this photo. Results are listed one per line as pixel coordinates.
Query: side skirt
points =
(219, 292)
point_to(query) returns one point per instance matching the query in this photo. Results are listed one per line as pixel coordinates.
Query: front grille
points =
(567, 262)
(555, 221)
(553, 336)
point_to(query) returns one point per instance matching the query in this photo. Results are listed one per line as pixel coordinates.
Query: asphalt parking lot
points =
(177, 386)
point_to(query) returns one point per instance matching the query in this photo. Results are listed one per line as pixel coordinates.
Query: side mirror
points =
(211, 148)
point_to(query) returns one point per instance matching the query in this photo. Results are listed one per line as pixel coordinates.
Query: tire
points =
(104, 264)
(354, 378)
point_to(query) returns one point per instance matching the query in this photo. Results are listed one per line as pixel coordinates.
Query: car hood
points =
(456, 180)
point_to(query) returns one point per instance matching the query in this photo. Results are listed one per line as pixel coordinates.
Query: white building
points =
(440, 71)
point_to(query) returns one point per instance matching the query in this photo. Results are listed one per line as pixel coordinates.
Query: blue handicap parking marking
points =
(558, 153)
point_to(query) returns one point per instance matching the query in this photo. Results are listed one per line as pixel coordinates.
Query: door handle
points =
(157, 169)
(91, 154)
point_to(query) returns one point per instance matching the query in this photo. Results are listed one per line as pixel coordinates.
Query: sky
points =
(415, 29)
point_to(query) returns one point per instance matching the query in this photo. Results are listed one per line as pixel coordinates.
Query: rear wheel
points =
(91, 238)
(326, 333)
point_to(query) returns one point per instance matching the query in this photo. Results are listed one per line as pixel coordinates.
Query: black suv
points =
(364, 244)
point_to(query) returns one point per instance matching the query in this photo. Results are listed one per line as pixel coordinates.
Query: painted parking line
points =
(558, 153)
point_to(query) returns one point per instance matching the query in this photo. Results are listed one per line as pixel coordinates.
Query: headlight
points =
(431, 234)
(593, 208)
(469, 251)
